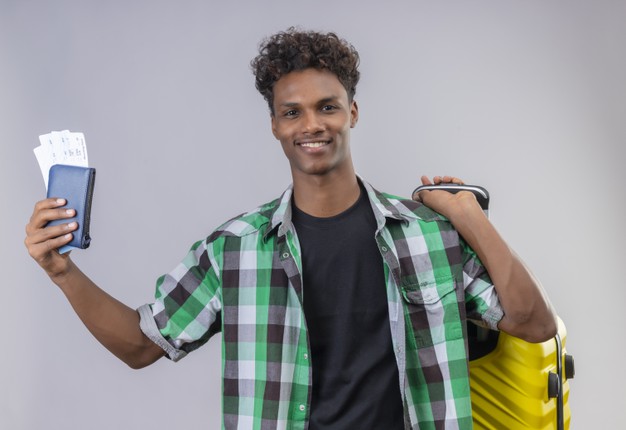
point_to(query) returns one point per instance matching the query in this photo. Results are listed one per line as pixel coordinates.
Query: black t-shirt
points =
(355, 375)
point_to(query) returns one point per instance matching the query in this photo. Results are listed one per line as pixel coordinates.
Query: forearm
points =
(528, 313)
(113, 324)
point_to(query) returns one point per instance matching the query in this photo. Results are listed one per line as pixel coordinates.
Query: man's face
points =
(312, 120)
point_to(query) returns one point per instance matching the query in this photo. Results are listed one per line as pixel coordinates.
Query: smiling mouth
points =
(317, 144)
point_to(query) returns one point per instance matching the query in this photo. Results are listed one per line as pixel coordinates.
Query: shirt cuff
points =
(492, 317)
(149, 328)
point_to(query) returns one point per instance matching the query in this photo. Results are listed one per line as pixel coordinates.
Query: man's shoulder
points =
(410, 209)
(246, 223)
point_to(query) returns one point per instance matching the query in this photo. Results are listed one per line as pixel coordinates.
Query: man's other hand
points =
(443, 202)
(42, 242)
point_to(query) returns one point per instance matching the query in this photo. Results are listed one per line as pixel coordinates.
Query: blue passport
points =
(74, 184)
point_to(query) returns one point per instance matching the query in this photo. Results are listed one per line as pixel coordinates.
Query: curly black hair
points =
(294, 49)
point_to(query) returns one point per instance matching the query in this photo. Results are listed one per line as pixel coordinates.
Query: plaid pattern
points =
(245, 281)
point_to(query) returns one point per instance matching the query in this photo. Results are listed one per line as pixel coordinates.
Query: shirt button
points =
(285, 254)
(301, 408)
(306, 356)
(383, 248)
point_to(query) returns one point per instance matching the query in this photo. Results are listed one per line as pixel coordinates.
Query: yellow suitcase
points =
(519, 385)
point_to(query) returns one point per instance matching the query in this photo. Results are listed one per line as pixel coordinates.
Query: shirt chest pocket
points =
(432, 309)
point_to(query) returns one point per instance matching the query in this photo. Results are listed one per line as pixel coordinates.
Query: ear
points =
(354, 114)
(273, 122)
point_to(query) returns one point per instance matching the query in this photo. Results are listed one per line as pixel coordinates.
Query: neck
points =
(326, 195)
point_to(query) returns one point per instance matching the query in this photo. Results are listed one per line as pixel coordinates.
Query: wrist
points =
(61, 271)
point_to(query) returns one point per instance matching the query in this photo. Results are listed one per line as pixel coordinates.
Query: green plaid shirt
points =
(245, 281)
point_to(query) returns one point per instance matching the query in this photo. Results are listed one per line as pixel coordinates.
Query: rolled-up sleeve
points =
(187, 307)
(481, 299)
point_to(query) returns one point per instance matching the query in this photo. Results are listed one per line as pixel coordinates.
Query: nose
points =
(312, 123)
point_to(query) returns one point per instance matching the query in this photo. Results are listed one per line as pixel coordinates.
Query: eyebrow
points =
(321, 101)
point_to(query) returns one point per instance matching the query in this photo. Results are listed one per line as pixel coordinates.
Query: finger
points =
(425, 197)
(42, 250)
(425, 181)
(452, 180)
(36, 236)
(43, 216)
(49, 203)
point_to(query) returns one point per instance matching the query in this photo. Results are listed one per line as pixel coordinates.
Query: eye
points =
(328, 108)
(290, 113)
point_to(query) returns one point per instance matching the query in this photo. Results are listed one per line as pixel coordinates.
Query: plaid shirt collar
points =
(279, 212)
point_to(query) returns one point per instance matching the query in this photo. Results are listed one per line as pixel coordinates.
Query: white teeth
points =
(313, 144)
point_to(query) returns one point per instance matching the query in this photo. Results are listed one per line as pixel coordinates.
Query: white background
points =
(527, 98)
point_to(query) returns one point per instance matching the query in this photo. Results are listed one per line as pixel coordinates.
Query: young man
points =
(340, 307)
